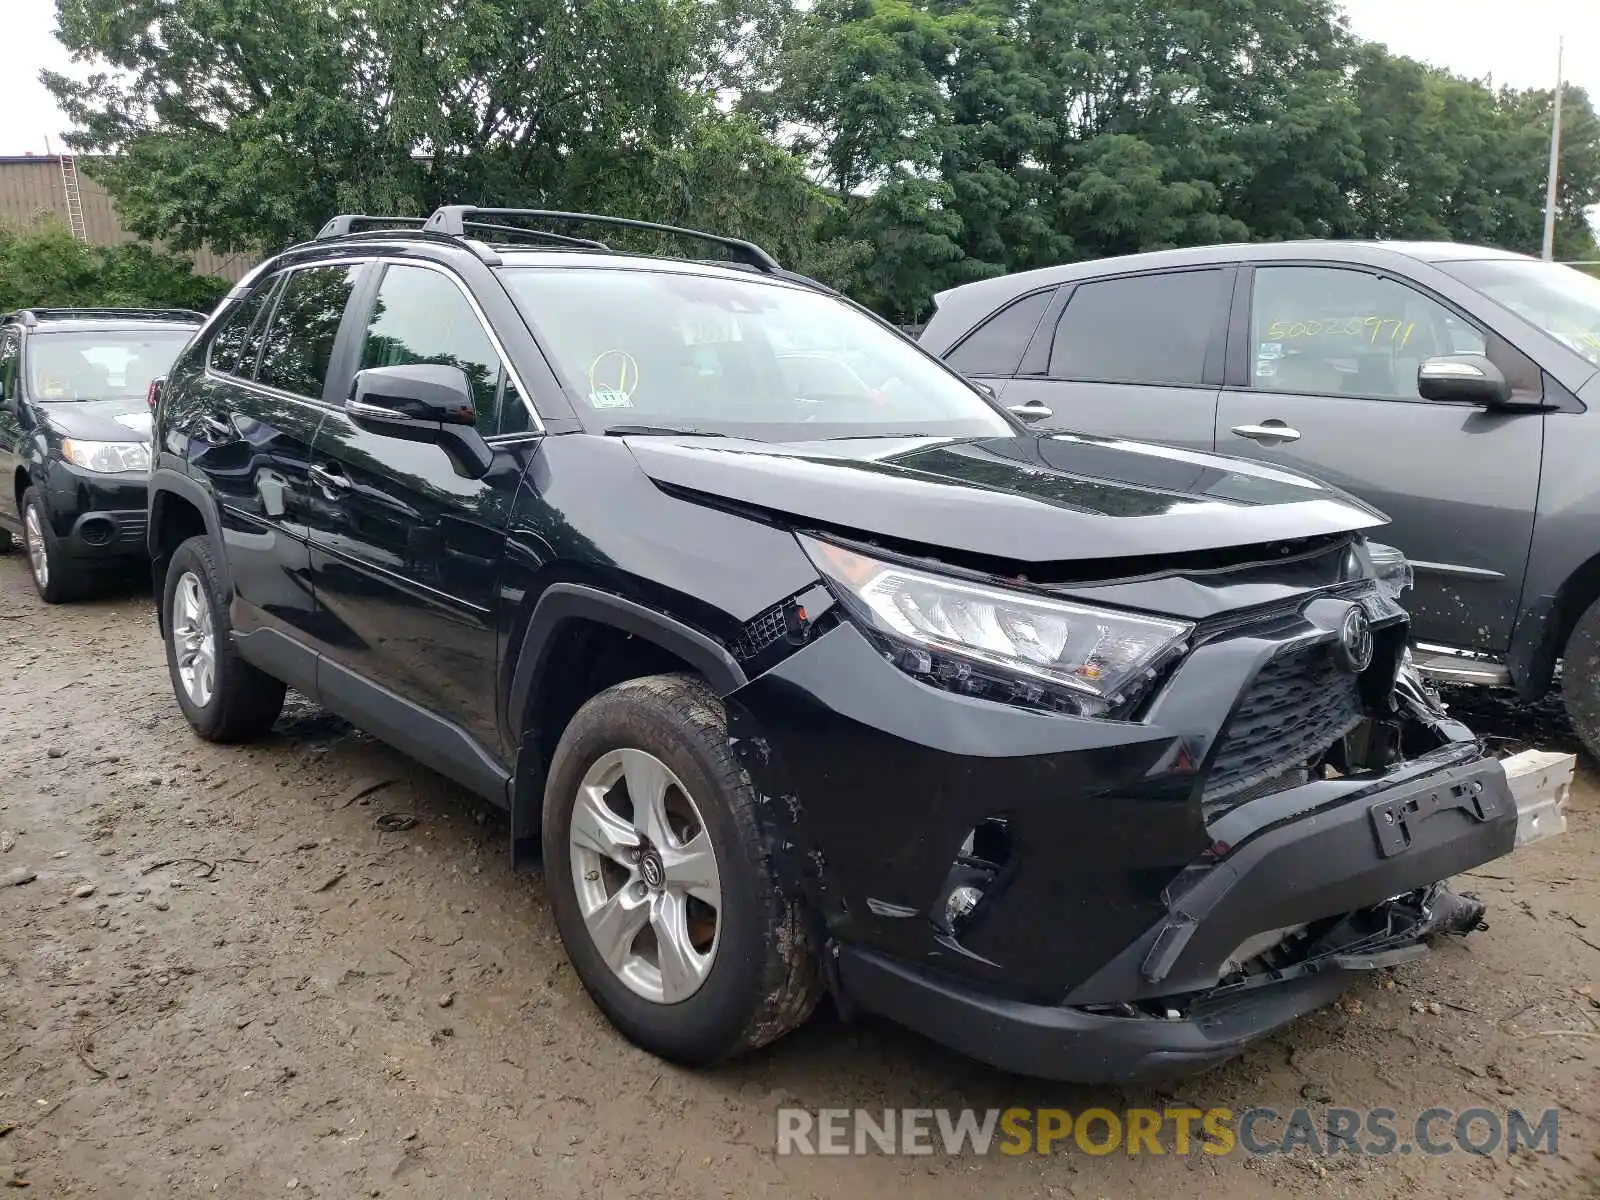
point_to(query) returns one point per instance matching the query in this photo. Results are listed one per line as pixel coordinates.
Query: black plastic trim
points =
(431, 740)
(280, 656)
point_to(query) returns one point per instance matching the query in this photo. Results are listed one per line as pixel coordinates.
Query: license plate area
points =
(1397, 820)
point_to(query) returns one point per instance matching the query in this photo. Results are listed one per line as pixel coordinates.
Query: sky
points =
(1513, 41)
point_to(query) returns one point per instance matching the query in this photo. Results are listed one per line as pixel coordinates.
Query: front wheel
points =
(1580, 679)
(57, 578)
(662, 883)
(224, 698)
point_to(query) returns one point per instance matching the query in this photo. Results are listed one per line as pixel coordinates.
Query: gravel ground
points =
(224, 977)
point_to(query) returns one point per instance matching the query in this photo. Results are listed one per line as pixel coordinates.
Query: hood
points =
(1034, 498)
(100, 420)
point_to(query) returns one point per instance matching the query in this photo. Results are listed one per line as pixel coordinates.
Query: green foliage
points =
(891, 147)
(45, 266)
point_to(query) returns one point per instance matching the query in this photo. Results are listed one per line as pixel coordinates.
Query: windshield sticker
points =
(613, 378)
(1390, 330)
(1270, 350)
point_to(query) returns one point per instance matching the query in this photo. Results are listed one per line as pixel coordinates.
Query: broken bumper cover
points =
(1114, 891)
(1378, 855)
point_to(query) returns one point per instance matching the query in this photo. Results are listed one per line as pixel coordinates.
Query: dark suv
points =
(807, 667)
(75, 434)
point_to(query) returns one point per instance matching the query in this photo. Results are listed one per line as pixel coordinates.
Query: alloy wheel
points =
(646, 875)
(194, 640)
(38, 551)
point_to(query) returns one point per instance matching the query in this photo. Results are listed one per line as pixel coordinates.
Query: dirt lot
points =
(266, 993)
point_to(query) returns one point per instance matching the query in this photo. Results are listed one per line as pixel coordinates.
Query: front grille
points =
(1299, 704)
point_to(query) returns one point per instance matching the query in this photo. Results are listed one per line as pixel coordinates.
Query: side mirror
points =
(422, 402)
(1463, 379)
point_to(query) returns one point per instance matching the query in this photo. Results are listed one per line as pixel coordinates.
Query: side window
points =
(299, 339)
(996, 346)
(10, 361)
(235, 346)
(1339, 331)
(422, 317)
(1141, 329)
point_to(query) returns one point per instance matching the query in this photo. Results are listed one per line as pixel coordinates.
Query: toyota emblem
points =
(1355, 641)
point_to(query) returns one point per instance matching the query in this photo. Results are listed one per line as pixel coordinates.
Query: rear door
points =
(249, 425)
(1323, 378)
(408, 563)
(1136, 356)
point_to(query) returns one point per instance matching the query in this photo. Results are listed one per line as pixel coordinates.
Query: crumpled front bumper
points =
(1114, 891)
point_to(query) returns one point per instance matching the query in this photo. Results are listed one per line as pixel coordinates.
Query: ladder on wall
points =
(69, 184)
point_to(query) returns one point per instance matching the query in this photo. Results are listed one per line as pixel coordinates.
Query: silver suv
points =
(1450, 386)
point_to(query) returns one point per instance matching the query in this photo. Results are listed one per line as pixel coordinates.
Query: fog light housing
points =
(961, 902)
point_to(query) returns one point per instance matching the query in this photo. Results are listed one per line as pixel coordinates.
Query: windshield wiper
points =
(655, 430)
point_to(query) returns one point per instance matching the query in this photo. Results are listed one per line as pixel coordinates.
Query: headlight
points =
(1392, 569)
(107, 458)
(1012, 646)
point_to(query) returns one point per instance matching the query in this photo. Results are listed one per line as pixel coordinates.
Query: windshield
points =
(109, 365)
(668, 350)
(1563, 302)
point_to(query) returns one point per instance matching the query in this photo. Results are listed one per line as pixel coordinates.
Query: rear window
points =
(996, 347)
(236, 344)
(106, 365)
(299, 340)
(1140, 329)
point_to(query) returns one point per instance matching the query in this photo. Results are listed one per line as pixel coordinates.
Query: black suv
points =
(75, 434)
(807, 668)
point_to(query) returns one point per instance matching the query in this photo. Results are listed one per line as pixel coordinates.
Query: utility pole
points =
(1555, 161)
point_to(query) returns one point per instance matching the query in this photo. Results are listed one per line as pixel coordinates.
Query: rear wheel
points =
(57, 578)
(5, 541)
(1580, 679)
(224, 698)
(661, 882)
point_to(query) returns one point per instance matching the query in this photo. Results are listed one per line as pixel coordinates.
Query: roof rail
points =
(539, 235)
(32, 316)
(453, 219)
(355, 222)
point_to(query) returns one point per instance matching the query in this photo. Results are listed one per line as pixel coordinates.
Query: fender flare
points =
(559, 604)
(165, 480)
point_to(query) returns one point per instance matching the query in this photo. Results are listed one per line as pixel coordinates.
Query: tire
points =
(758, 963)
(1580, 679)
(224, 698)
(57, 578)
(5, 541)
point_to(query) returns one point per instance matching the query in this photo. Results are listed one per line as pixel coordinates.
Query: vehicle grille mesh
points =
(1299, 704)
(760, 634)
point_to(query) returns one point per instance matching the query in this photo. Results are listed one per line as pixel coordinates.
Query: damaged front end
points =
(1137, 892)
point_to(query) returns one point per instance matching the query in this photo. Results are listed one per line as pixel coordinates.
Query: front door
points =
(1138, 356)
(1328, 385)
(407, 568)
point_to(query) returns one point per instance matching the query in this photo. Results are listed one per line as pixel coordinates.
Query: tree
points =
(46, 267)
(247, 123)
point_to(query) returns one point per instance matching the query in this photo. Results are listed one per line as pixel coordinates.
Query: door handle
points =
(1267, 432)
(1031, 411)
(329, 479)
